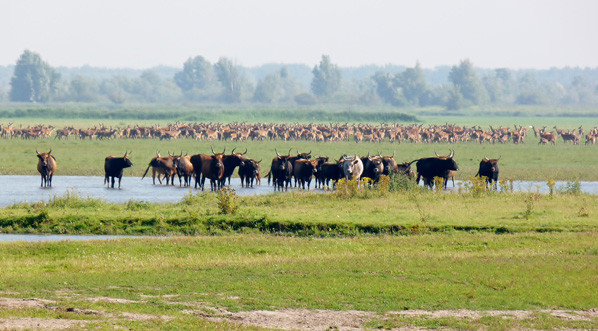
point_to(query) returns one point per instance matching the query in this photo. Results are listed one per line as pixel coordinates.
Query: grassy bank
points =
(183, 282)
(309, 214)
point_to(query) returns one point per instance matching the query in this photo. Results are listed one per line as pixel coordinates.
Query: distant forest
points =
(459, 86)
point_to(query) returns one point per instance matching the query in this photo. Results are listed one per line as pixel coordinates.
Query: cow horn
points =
(452, 154)
(233, 150)
(290, 149)
(245, 151)
(212, 147)
(309, 152)
(499, 158)
(259, 161)
(485, 157)
(36, 152)
(158, 153)
(224, 151)
(393, 154)
(50, 152)
(277, 154)
(436, 154)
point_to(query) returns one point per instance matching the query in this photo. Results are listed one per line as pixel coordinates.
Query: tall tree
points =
(279, 86)
(33, 79)
(327, 78)
(467, 82)
(413, 84)
(197, 73)
(231, 79)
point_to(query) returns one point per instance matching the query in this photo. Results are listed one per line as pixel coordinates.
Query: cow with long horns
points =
(439, 166)
(232, 161)
(208, 166)
(46, 165)
(113, 168)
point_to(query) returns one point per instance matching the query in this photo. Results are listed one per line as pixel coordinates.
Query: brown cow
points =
(46, 166)
(184, 168)
(208, 166)
(162, 165)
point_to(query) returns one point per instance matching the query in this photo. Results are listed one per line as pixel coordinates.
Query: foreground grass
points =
(186, 278)
(308, 214)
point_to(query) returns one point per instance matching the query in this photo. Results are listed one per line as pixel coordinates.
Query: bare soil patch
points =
(31, 323)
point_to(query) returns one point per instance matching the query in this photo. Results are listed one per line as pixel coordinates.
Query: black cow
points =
(330, 171)
(489, 169)
(230, 162)
(113, 168)
(405, 169)
(372, 167)
(390, 165)
(318, 175)
(249, 172)
(430, 167)
(303, 170)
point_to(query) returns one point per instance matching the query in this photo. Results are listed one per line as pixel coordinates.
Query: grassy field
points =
(368, 259)
(529, 161)
(186, 282)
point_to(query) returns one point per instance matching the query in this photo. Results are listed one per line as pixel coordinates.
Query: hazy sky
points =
(147, 33)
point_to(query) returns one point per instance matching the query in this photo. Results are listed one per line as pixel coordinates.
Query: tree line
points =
(199, 80)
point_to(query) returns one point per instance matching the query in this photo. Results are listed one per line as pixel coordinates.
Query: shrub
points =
(227, 200)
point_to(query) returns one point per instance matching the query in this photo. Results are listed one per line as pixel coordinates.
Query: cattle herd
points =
(285, 170)
(360, 132)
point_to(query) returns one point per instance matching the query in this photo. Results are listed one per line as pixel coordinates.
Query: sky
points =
(143, 34)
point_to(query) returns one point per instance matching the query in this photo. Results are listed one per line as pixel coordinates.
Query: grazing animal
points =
(430, 167)
(405, 169)
(372, 168)
(162, 165)
(330, 171)
(352, 167)
(249, 172)
(318, 175)
(46, 165)
(184, 169)
(230, 162)
(303, 170)
(113, 168)
(208, 166)
(489, 170)
(390, 165)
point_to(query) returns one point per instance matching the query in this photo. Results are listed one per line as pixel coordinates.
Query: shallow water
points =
(16, 189)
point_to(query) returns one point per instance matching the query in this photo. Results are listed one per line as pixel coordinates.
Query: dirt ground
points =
(286, 319)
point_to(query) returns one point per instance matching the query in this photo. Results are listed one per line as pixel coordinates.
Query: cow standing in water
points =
(489, 170)
(113, 168)
(46, 165)
(430, 167)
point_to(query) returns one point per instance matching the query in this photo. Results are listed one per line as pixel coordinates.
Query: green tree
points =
(276, 87)
(467, 82)
(83, 89)
(413, 84)
(386, 89)
(33, 79)
(231, 79)
(197, 73)
(327, 78)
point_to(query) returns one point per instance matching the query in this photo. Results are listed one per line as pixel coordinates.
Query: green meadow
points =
(396, 255)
